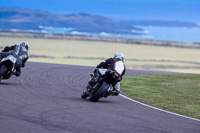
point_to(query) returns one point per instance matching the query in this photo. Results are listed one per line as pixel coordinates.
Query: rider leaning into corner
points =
(18, 51)
(115, 64)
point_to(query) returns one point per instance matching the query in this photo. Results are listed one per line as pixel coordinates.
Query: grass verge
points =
(179, 93)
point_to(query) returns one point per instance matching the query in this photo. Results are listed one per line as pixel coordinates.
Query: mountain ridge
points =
(32, 19)
(39, 21)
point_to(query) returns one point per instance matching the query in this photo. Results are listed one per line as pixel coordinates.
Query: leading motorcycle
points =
(101, 89)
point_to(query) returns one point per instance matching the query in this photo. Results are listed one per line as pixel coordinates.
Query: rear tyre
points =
(100, 92)
(3, 70)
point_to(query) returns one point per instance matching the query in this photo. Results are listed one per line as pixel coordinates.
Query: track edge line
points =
(158, 108)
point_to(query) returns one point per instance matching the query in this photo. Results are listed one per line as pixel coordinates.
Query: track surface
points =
(46, 99)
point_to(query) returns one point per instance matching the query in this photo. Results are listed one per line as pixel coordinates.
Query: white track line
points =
(158, 108)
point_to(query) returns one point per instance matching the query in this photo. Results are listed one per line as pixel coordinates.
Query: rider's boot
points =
(115, 92)
(17, 74)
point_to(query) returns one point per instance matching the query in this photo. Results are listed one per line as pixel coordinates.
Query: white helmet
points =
(25, 44)
(119, 55)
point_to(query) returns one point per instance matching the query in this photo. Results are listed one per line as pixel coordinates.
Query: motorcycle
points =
(101, 89)
(7, 67)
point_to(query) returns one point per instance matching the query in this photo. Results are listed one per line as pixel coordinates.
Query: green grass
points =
(179, 93)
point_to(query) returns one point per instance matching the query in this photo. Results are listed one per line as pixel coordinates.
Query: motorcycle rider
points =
(20, 52)
(114, 74)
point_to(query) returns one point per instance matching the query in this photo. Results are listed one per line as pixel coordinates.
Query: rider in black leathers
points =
(18, 51)
(115, 72)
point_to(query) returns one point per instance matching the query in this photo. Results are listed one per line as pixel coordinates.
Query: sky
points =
(180, 10)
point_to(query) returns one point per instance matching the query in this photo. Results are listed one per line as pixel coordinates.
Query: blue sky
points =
(181, 10)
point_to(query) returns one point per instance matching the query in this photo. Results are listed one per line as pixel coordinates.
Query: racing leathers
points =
(115, 71)
(19, 52)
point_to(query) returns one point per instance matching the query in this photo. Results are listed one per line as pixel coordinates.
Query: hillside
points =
(34, 20)
(18, 19)
(161, 23)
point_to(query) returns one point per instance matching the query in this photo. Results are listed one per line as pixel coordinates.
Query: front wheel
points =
(3, 70)
(100, 92)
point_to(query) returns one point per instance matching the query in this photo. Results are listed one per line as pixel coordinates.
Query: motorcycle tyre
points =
(3, 70)
(100, 92)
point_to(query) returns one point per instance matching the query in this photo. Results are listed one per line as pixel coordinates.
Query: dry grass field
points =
(176, 57)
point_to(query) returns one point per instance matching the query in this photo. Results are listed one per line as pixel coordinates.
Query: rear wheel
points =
(100, 92)
(3, 70)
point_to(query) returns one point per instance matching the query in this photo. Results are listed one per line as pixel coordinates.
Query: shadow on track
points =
(7, 83)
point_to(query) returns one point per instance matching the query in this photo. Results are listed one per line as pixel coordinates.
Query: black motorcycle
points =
(101, 89)
(7, 67)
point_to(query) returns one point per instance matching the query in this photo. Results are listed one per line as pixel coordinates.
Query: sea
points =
(178, 34)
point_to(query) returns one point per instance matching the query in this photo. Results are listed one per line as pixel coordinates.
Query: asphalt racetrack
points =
(46, 98)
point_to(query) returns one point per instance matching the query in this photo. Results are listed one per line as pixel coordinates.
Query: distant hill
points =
(161, 23)
(39, 21)
(26, 19)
